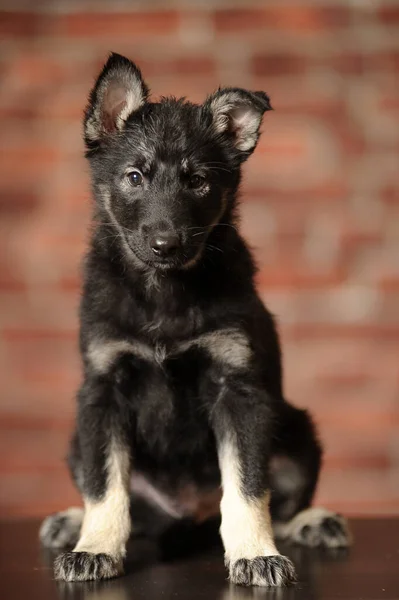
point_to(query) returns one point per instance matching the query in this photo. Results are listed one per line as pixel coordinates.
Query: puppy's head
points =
(165, 173)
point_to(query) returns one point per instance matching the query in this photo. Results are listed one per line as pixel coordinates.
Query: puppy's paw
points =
(270, 571)
(62, 529)
(318, 527)
(85, 566)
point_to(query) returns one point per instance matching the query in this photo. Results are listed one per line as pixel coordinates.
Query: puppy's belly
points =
(187, 500)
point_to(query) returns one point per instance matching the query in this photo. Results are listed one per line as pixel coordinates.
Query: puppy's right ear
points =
(119, 91)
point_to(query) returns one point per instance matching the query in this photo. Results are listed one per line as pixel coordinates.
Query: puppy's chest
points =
(167, 393)
(165, 327)
(169, 374)
(170, 386)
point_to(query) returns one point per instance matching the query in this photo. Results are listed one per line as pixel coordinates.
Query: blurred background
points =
(320, 207)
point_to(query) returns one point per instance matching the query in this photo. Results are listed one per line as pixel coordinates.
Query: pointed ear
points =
(119, 91)
(238, 114)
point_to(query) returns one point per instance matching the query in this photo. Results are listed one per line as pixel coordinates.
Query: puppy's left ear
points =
(119, 92)
(238, 113)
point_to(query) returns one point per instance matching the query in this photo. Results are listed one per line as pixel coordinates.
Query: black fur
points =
(172, 411)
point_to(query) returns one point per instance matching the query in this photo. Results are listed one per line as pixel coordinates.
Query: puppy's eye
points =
(135, 178)
(197, 181)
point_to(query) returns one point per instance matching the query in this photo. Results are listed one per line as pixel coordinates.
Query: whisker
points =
(227, 225)
(119, 224)
(214, 248)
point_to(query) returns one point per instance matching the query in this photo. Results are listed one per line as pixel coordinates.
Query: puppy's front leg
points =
(100, 550)
(242, 426)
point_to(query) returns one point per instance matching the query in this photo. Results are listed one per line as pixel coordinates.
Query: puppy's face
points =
(165, 173)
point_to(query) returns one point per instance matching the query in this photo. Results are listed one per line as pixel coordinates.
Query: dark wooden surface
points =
(370, 571)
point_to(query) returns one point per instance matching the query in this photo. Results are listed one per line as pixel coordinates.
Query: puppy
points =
(182, 389)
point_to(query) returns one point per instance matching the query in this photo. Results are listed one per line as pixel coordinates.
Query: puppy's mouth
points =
(182, 260)
(165, 264)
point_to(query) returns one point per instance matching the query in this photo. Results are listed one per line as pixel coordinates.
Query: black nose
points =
(165, 244)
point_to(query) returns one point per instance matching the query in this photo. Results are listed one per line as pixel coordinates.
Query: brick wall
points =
(320, 206)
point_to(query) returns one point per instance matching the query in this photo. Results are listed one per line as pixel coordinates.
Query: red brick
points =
(19, 113)
(70, 284)
(38, 69)
(350, 63)
(378, 331)
(43, 357)
(10, 280)
(194, 87)
(294, 153)
(12, 201)
(23, 24)
(25, 335)
(352, 238)
(294, 19)
(183, 65)
(389, 14)
(359, 491)
(390, 194)
(310, 98)
(47, 491)
(389, 283)
(375, 461)
(384, 61)
(39, 307)
(23, 161)
(389, 102)
(40, 402)
(278, 64)
(15, 458)
(24, 422)
(138, 24)
(283, 276)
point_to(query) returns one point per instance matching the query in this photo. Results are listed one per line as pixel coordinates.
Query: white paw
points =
(85, 566)
(268, 571)
(62, 529)
(315, 527)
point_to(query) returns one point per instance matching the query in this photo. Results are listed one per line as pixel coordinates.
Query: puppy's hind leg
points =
(62, 529)
(294, 470)
(315, 527)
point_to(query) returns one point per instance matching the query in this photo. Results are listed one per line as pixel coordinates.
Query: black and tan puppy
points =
(182, 389)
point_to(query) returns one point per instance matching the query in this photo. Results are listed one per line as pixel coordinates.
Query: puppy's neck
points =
(173, 302)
